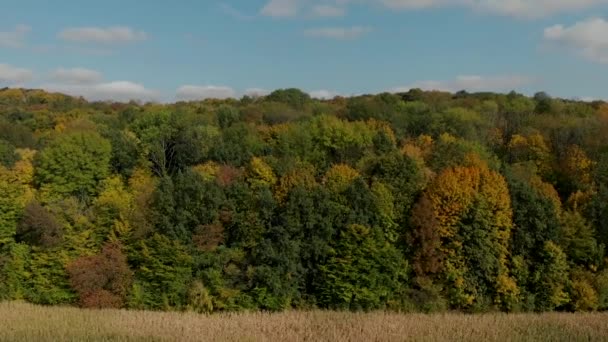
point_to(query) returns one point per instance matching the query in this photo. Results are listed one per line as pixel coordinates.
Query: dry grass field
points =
(24, 322)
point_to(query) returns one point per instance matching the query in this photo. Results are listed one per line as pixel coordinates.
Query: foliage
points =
(73, 164)
(419, 201)
(38, 227)
(8, 156)
(101, 280)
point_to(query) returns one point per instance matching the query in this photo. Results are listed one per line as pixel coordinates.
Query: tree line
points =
(418, 201)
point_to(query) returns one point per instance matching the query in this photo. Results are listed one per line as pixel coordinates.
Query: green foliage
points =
(362, 271)
(293, 97)
(535, 219)
(403, 178)
(73, 164)
(163, 270)
(551, 278)
(47, 281)
(199, 299)
(14, 266)
(8, 157)
(497, 201)
(125, 152)
(185, 203)
(578, 242)
(10, 208)
(600, 284)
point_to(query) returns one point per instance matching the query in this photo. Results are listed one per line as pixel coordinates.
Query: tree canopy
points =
(420, 201)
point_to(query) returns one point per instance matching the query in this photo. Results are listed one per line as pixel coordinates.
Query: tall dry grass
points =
(24, 322)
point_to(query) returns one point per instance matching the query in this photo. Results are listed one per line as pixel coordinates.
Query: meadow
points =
(26, 322)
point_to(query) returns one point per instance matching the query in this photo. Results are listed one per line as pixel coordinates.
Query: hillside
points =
(416, 202)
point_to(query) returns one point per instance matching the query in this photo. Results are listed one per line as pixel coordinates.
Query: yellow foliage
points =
(114, 195)
(580, 200)
(425, 142)
(142, 182)
(474, 160)
(420, 150)
(208, 170)
(383, 126)
(272, 132)
(507, 290)
(578, 166)
(13, 95)
(413, 152)
(530, 148)
(528, 174)
(141, 186)
(22, 173)
(60, 127)
(339, 177)
(260, 173)
(447, 138)
(299, 177)
(452, 195)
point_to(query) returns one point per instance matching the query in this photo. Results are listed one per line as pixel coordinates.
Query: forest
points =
(422, 201)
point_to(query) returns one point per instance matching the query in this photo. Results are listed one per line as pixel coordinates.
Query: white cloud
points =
(328, 11)
(102, 35)
(471, 83)
(416, 4)
(14, 38)
(586, 99)
(234, 12)
(90, 85)
(120, 91)
(13, 75)
(533, 8)
(256, 92)
(323, 94)
(195, 92)
(513, 8)
(281, 8)
(588, 37)
(341, 33)
(76, 76)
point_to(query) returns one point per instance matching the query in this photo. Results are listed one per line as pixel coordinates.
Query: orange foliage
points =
(102, 280)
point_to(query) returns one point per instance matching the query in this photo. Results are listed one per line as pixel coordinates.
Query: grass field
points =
(24, 322)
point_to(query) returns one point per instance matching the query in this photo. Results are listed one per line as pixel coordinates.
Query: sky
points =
(161, 50)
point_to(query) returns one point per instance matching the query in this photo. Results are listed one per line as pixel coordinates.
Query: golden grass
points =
(25, 322)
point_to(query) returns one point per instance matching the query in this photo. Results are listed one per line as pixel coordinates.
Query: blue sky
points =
(186, 49)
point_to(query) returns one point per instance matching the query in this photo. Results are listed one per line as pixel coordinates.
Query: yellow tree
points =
(530, 148)
(462, 227)
(259, 173)
(339, 177)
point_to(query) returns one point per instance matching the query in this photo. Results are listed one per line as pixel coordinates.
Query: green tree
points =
(163, 270)
(551, 278)
(11, 206)
(73, 164)
(14, 267)
(185, 203)
(362, 272)
(8, 157)
(293, 97)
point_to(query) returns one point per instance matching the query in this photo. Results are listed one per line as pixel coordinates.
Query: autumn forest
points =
(410, 202)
